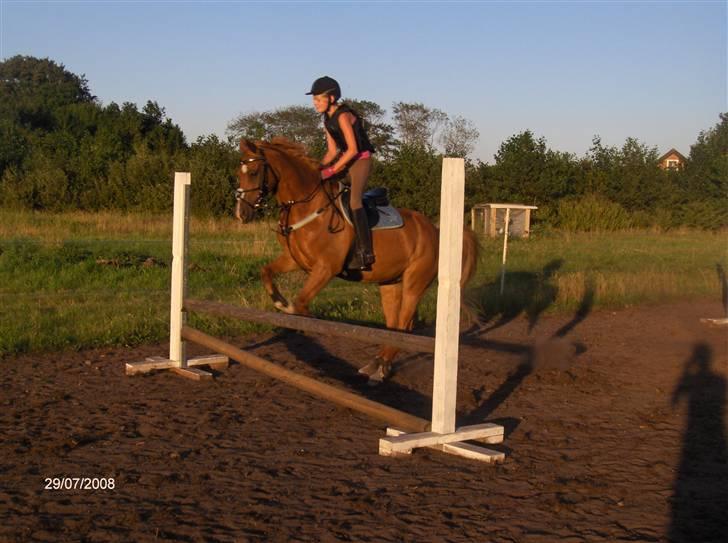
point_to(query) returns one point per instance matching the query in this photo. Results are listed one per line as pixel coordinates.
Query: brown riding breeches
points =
(359, 173)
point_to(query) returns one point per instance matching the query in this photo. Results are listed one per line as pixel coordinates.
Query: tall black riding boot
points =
(363, 254)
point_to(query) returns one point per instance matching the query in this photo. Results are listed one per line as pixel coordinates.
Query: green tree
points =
(706, 173)
(381, 133)
(212, 164)
(298, 123)
(458, 137)
(31, 89)
(417, 124)
(413, 179)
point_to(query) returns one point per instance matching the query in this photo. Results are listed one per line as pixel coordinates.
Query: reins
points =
(286, 228)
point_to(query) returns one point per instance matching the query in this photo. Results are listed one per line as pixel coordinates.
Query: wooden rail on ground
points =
(409, 342)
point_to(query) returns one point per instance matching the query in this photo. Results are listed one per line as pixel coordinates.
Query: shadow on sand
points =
(538, 295)
(525, 292)
(700, 499)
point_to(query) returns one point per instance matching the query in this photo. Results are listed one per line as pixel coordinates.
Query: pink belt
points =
(363, 154)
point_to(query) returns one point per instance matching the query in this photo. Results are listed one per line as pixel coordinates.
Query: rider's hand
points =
(327, 172)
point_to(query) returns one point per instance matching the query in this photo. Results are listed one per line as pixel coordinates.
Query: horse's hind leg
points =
(391, 296)
(413, 287)
(284, 263)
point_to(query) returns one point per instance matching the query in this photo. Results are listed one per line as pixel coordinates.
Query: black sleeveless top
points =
(332, 127)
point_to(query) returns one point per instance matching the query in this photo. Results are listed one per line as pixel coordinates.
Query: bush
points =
(44, 186)
(591, 213)
(212, 164)
(707, 214)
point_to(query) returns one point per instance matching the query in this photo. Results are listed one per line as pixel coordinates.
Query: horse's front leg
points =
(284, 263)
(317, 279)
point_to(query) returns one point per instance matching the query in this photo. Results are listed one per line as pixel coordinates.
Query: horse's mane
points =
(293, 150)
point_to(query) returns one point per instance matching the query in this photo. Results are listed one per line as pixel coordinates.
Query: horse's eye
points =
(244, 168)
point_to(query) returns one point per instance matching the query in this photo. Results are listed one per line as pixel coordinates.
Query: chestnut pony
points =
(318, 243)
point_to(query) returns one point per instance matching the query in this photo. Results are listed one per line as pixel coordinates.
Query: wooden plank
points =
(150, 364)
(153, 363)
(511, 206)
(465, 450)
(715, 322)
(495, 438)
(215, 361)
(447, 327)
(407, 442)
(335, 395)
(473, 452)
(409, 342)
(196, 374)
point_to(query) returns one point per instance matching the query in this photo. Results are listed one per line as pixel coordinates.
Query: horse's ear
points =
(248, 146)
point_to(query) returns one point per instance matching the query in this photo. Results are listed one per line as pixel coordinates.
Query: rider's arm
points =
(346, 123)
(331, 150)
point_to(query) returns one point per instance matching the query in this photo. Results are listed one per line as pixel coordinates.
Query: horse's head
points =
(253, 178)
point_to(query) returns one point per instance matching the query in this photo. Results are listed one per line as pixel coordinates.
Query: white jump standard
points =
(177, 360)
(444, 436)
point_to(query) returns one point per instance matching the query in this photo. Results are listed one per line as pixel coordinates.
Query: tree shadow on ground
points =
(553, 353)
(524, 292)
(316, 356)
(700, 498)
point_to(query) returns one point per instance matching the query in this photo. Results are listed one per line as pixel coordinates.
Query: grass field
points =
(77, 280)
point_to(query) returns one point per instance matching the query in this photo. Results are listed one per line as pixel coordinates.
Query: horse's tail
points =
(471, 249)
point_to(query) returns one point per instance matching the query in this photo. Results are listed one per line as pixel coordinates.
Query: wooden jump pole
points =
(409, 342)
(331, 393)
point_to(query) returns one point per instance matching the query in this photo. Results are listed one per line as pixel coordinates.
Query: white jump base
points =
(400, 443)
(715, 322)
(155, 363)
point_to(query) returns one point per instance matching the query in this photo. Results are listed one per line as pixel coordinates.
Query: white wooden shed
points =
(494, 217)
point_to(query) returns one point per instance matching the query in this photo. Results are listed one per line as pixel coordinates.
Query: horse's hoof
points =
(370, 368)
(379, 375)
(376, 378)
(286, 308)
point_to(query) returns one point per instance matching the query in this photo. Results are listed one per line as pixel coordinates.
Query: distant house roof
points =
(672, 151)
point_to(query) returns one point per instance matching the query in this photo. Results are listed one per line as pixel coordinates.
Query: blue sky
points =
(565, 70)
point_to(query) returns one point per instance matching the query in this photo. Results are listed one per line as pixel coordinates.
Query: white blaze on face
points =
(244, 168)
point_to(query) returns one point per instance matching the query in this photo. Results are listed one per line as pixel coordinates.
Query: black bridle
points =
(263, 187)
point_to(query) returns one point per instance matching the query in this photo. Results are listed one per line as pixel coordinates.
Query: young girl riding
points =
(349, 150)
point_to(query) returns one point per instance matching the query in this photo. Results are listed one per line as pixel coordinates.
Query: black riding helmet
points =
(327, 85)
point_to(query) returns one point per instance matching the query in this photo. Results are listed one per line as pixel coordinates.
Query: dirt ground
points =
(615, 431)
